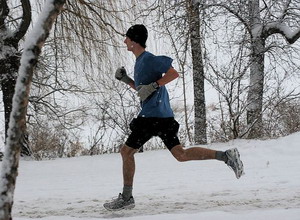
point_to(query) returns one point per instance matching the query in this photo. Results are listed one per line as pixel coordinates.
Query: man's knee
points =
(179, 153)
(127, 151)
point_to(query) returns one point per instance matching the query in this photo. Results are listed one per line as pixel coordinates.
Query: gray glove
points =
(122, 75)
(144, 91)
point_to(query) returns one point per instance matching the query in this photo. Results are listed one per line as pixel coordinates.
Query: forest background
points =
(77, 107)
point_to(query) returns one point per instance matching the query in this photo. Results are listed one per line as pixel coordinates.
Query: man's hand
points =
(144, 91)
(122, 75)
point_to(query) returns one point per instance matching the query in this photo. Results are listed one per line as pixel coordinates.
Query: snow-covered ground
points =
(76, 188)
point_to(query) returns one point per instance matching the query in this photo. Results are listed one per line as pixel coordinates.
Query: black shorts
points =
(145, 128)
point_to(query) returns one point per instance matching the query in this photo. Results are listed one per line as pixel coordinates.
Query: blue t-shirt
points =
(150, 68)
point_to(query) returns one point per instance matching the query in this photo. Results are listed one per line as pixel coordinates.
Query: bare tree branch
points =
(26, 20)
(232, 11)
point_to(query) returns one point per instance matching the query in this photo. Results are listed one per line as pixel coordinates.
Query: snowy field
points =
(76, 188)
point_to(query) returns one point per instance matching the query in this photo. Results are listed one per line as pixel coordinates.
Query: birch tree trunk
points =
(198, 72)
(33, 46)
(261, 22)
(260, 30)
(256, 85)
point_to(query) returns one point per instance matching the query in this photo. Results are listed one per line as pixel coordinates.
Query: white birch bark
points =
(256, 84)
(198, 73)
(285, 22)
(260, 31)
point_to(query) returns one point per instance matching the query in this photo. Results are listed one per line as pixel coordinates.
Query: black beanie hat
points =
(138, 33)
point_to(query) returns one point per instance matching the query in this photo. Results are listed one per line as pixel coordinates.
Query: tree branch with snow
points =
(290, 35)
(32, 49)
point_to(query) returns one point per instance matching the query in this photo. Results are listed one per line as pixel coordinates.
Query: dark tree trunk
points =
(8, 83)
(9, 65)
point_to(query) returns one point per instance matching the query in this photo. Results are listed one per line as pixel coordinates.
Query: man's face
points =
(129, 43)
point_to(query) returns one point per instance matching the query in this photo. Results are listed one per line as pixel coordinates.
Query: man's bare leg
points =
(196, 153)
(128, 169)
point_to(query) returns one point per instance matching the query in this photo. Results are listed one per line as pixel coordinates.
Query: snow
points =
(76, 188)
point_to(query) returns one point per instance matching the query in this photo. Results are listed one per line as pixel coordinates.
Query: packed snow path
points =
(72, 188)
